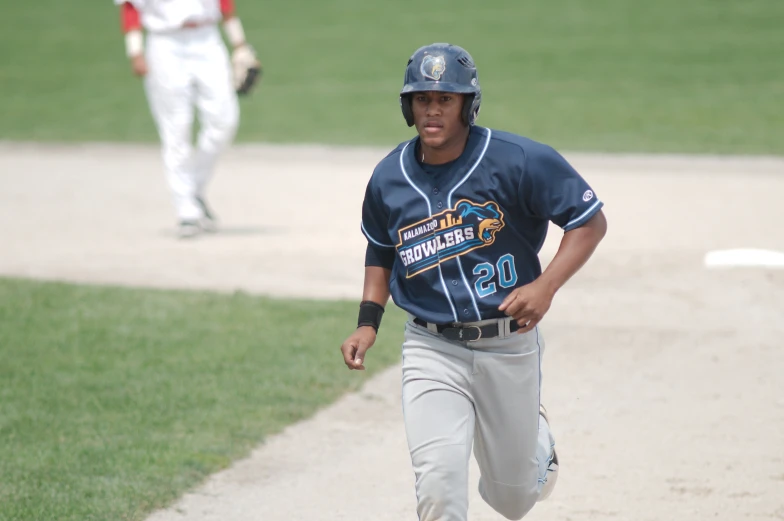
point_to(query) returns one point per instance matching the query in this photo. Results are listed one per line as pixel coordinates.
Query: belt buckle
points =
(478, 336)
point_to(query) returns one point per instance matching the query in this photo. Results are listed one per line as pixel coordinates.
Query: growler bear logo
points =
(433, 67)
(453, 232)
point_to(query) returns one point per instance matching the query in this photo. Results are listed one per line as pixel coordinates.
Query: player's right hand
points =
(139, 65)
(356, 345)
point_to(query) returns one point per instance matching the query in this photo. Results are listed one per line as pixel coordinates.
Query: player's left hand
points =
(528, 304)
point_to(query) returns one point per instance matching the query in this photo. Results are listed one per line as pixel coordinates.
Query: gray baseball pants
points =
(482, 395)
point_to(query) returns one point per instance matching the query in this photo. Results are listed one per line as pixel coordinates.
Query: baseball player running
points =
(454, 220)
(185, 65)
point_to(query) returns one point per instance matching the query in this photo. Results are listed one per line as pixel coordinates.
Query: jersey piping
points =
(430, 214)
(374, 241)
(583, 215)
(449, 205)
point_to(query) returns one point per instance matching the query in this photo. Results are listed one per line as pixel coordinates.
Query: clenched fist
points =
(528, 304)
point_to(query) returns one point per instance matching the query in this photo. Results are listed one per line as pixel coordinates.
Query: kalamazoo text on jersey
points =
(453, 232)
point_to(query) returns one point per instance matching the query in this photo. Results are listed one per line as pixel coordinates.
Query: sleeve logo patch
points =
(587, 196)
(453, 232)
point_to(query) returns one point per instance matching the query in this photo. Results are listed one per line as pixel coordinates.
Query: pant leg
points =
(169, 88)
(511, 446)
(218, 107)
(439, 421)
(545, 449)
(544, 456)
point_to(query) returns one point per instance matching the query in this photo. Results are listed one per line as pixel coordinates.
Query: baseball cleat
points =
(188, 229)
(552, 469)
(208, 223)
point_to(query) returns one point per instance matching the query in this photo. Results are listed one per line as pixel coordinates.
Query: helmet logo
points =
(433, 67)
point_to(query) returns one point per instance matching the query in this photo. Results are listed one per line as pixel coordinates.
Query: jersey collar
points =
(468, 161)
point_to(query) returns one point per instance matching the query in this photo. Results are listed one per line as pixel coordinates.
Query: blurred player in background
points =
(176, 46)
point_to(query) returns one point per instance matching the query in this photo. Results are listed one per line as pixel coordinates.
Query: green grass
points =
(115, 401)
(611, 75)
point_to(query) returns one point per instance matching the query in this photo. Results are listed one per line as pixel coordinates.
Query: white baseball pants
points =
(190, 68)
(483, 394)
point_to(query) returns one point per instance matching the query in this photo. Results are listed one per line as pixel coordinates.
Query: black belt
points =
(468, 333)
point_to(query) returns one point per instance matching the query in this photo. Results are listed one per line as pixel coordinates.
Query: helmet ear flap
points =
(405, 107)
(468, 101)
(471, 108)
(475, 106)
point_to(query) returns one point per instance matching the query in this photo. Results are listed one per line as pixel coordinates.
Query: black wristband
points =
(370, 314)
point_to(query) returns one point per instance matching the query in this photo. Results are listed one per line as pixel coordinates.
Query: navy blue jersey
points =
(466, 235)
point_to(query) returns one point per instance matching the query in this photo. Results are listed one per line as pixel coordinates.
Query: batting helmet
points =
(442, 67)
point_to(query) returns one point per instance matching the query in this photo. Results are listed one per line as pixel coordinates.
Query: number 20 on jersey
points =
(505, 271)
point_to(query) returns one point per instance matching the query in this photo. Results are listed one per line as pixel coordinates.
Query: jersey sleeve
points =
(381, 257)
(129, 17)
(375, 219)
(552, 189)
(227, 8)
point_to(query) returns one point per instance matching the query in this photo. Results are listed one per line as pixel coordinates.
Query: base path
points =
(663, 378)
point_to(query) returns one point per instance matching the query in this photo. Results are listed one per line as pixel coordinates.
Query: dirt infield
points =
(664, 380)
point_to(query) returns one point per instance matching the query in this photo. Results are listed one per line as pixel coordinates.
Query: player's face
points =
(437, 116)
